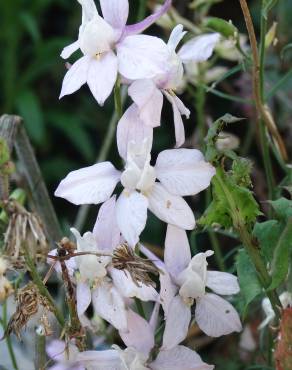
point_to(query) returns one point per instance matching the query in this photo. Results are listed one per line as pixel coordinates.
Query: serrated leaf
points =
(282, 207)
(281, 258)
(268, 234)
(249, 284)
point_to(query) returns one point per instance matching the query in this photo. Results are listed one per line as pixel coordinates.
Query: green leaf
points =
(29, 107)
(281, 258)
(268, 234)
(30, 25)
(249, 284)
(282, 207)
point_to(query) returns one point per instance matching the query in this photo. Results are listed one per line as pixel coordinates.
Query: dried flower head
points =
(139, 268)
(24, 230)
(5, 288)
(28, 303)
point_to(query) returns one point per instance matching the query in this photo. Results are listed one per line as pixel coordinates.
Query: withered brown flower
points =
(125, 259)
(24, 230)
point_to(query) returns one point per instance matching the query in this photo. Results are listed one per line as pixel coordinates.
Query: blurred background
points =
(70, 133)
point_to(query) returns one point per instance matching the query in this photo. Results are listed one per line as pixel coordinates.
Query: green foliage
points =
(250, 286)
(227, 29)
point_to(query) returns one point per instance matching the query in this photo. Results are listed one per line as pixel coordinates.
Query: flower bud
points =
(227, 29)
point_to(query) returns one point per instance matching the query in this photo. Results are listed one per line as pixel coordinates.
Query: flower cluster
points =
(107, 271)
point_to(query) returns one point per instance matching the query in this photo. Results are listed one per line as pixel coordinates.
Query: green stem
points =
(8, 338)
(40, 352)
(250, 243)
(217, 251)
(200, 107)
(141, 10)
(43, 289)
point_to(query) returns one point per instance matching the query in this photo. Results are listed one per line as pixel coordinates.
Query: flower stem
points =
(40, 351)
(8, 338)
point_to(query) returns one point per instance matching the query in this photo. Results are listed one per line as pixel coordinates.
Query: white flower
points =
(286, 300)
(180, 172)
(138, 56)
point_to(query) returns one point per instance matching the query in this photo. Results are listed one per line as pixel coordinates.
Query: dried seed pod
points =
(139, 268)
(24, 229)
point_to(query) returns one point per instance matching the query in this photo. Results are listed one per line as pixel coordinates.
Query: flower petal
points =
(70, 49)
(177, 253)
(88, 10)
(184, 171)
(115, 12)
(89, 185)
(76, 76)
(171, 208)
(106, 220)
(131, 128)
(139, 333)
(178, 110)
(149, 99)
(177, 323)
(147, 22)
(222, 282)
(179, 358)
(83, 297)
(199, 48)
(176, 36)
(100, 360)
(216, 317)
(131, 215)
(167, 291)
(109, 304)
(127, 288)
(141, 56)
(102, 75)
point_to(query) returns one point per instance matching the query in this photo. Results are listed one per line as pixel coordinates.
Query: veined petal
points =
(102, 75)
(115, 12)
(178, 110)
(131, 215)
(100, 360)
(177, 323)
(216, 317)
(131, 128)
(127, 288)
(83, 297)
(170, 208)
(176, 36)
(177, 253)
(76, 76)
(149, 99)
(184, 171)
(106, 220)
(222, 282)
(70, 49)
(89, 185)
(139, 333)
(109, 304)
(147, 22)
(179, 358)
(141, 56)
(199, 48)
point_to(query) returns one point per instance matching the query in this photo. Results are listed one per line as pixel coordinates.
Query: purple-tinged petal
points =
(179, 358)
(100, 360)
(177, 253)
(58, 351)
(149, 99)
(76, 76)
(139, 333)
(222, 283)
(147, 22)
(216, 317)
(83, 297)
(109, 304)
(184, 171)
(131, 215)
(106, 220)
(177, 323)
(154, 317)
(115, 12)
(176, 36)
(157, 261)
(89, 185)
(199, 48)
(170, 208)
(102, 75)
(70, 49)
(131, 128)
(141, 57)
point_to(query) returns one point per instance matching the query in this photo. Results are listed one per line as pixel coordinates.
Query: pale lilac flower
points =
(186, 283)
(286, 300)
(98, 282)
(147, 94)
(139, 339)
(180, 172)
(137, 56)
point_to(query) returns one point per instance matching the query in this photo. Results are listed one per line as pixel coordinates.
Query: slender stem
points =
(8, 338)
(217, 251)
(107, 143)
(40, 351)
